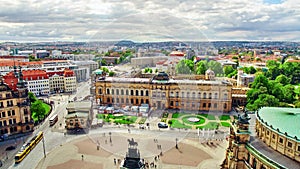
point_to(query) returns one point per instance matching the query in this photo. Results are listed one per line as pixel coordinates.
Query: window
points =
(131, 92)
(177, 94)
(209, 105)
(204, 95)
(142, 93)
(4, 123)
(188, 94)
(122, 100)
(131, 101)
(117, 91)
(3, 114)
(290, 144)
(216, 95)
(172, 103)
(273, 136)
(204, 105)
(225, 96)
(225, 106)
(100, 91)
(136, 101)
(182, 94)
(176, 103)
(122, 92)
(107, 91)
(147, 93)
(112, 91)
(127, 100)
(194, 95)
(8, 113)
(209, 95)
(280, 140)
(268, 132)
(108, 100)
(126, 92)
(215, 105)
(199, 95)
(298, 149)
(136, 92)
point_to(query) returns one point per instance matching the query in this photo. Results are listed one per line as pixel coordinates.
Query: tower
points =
(239, 137)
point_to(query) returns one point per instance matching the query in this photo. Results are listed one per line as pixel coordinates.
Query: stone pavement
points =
(99, 151)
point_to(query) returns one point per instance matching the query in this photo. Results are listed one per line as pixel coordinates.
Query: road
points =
(52, 139)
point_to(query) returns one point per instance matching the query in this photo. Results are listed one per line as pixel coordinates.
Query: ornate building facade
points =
(15, 116)
(274, 147)
(161, 92)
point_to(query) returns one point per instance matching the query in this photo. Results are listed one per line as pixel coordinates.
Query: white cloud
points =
(149, 20)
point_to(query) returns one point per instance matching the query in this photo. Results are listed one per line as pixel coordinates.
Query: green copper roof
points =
(287, 120)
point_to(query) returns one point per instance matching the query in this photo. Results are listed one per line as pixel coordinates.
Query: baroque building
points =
(273, 143)
(163, 92)
(15, 116)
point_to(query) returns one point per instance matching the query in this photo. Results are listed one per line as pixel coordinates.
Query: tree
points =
(216, 67)
(201, 67)
(259, 81)
(37, 110)
(111, 73)
(284, 80)
(228, 70)
(31, 97)
(182, 68)
(105, 69)
(289, 93)
(273, 69)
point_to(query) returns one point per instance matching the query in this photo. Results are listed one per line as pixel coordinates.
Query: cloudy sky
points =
(155, 20)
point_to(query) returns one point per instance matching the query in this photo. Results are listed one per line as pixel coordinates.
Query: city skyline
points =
(140, 21)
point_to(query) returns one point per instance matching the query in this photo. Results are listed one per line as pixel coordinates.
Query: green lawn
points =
(224, 117)
(185, 120)
(126, 120)
(208, 116)
(225, 124)
(209, 125)
(177, 124)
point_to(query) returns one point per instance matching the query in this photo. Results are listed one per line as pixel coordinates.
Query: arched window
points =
(199, 95)
(216, 95)
(107, 91)
(117, 91)
(126, 92)
(147, 93)
(122, 92)
(142, 93)
(225, 97)
(209, 95)
(193, 95)
(136, 92)
(204, 95)
(225, 106)
(112, 91)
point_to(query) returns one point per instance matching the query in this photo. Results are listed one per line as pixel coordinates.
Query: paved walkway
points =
(97, 151)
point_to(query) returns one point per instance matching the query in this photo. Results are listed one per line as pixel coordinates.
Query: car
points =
(162, 125)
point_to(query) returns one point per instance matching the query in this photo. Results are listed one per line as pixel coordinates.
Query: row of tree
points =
(38, 111)
(275, 87)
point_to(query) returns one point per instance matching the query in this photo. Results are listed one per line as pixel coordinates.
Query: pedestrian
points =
(82, 157)
(115, 162)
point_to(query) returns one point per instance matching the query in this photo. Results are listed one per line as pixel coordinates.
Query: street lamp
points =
(176, 143)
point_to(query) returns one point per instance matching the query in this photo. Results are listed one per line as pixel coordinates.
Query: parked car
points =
(162, 125)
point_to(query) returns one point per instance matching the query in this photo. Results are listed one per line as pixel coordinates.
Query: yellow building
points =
(15, 116)
(160, 92)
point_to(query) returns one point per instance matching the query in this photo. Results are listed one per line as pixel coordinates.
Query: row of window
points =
(34, 82)
(8, 103)
(9, 113)
(193, 104)
(289, 144)
(10, 122)
(126, 92)
(7, 95)
(162, 94)
(122, 100)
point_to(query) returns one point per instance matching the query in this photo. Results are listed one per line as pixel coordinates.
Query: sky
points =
(145, 21)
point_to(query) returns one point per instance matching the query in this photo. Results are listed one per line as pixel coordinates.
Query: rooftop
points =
(281, 118)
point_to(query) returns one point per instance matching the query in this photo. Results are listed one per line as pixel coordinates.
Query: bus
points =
(27, 147)
(53, 119)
